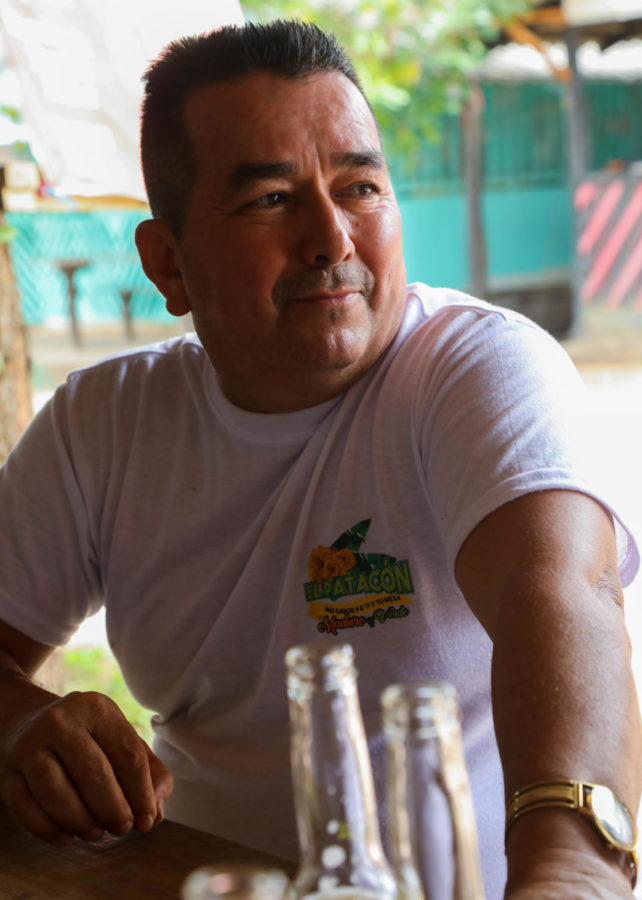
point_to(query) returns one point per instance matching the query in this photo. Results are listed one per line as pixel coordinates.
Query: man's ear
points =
(160, 260)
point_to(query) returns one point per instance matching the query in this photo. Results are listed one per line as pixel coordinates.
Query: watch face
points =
(613, 816)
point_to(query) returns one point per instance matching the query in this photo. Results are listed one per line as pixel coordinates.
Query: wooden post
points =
(473, 152)
(578, 155)
(126, 296)
(69, 269)
(577, 131)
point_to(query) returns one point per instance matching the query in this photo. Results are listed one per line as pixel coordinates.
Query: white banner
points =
(79, 65)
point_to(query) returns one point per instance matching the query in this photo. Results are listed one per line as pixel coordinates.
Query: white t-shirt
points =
(217, 538)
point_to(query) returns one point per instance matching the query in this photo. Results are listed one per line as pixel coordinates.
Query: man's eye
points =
(267, 201)
(363, 189)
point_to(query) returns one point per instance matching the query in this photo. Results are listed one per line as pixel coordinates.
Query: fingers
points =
(49, 786)
(21, 805)
(163, 782)
(115, 780)
(78, 768)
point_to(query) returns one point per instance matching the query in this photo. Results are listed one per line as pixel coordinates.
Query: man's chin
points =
(332, 352)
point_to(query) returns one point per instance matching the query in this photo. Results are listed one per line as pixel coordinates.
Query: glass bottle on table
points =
(433, 833)
(235, 882)
(341, 851)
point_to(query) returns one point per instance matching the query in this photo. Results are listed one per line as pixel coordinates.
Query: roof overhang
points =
(550, 21)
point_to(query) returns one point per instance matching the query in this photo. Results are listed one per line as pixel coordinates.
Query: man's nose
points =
(324, 236)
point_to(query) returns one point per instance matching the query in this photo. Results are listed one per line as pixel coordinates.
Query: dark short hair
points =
(290, 49)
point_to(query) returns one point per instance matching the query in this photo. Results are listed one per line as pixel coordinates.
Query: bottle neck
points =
(432, 824)
(333, 785)
(342, 854)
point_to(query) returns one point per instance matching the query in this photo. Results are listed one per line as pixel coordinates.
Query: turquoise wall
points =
(527, 231)
(435, 243)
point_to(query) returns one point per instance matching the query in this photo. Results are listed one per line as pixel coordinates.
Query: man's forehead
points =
(260, 94)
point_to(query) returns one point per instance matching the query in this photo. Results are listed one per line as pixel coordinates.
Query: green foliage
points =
(95, 669)
(11, 112)
(414, 57)
(22, 150)
(19, 149)
(7, 233)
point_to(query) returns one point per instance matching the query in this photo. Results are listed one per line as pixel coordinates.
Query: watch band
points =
(574, 795)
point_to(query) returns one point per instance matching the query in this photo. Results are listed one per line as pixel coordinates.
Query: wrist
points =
(555, 846)
(597, 804)
(21, 699)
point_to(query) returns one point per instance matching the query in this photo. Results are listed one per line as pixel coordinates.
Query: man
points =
(335, 457)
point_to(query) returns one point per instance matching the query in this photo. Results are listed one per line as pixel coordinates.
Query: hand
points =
(76, 767)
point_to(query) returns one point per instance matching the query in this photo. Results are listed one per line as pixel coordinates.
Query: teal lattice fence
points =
(101, 244)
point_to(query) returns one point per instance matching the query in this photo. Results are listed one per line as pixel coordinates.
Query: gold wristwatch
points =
(609, 815)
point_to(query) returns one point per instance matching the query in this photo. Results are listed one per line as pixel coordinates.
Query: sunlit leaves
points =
(10, 112)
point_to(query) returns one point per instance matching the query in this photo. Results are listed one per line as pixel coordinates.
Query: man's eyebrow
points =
(362, 159)
(247, 172)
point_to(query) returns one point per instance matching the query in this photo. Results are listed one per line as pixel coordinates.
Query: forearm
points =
(564, 705)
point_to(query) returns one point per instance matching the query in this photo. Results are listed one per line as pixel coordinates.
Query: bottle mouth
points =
(423, 707)
(329, 668)
(235, 881)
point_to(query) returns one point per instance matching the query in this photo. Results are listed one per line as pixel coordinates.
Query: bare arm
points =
(71, 765)
(540, 574)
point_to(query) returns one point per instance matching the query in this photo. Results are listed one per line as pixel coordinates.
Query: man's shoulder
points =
(440, 317)
(175, 370)
(165, 357)
(426, 302)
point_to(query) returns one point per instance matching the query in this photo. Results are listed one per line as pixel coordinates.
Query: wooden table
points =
(140, 866)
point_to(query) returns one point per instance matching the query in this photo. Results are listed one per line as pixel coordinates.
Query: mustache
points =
(343, 276)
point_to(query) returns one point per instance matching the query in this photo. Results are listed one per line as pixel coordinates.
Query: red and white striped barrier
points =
(609, 240)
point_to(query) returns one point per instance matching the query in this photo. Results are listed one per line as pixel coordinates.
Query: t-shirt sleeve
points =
(49, 579)
(505, 413)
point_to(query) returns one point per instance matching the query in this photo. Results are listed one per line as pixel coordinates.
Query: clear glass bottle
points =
(433, 833)
(235, 882)
(341, 851)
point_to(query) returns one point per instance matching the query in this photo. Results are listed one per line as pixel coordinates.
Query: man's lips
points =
(328, 297)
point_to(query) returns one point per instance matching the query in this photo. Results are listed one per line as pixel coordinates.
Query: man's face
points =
(290, 256)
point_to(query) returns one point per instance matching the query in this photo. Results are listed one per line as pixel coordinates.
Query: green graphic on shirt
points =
(350, 589)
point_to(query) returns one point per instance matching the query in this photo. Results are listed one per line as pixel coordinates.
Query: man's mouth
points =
(328, 298)
(335, 287)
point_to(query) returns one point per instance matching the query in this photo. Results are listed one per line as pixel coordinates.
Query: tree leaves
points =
(11, 112)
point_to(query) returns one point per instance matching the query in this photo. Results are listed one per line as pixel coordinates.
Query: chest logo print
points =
(349, 588)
